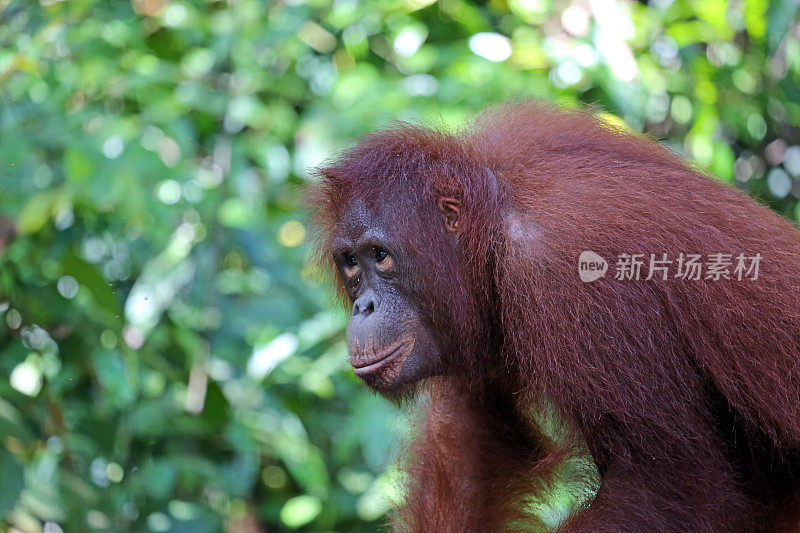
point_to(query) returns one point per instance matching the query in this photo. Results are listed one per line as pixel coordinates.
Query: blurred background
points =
(168, 361)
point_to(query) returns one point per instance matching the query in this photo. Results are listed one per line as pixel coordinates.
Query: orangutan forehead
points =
(384, 217)
(358, 216)
(361, 217)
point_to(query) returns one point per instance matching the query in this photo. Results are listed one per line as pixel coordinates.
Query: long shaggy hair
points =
(686, 392)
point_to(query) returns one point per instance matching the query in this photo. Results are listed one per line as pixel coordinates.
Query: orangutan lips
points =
(401, 346)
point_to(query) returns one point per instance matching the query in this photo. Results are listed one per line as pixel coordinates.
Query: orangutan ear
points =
(450, 208)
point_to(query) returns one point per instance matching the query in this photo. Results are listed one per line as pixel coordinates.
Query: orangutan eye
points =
(380, 255)
(350, 260)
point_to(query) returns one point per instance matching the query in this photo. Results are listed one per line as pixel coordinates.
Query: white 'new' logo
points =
(591, 266)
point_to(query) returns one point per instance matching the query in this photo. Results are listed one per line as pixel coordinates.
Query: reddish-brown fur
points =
(687, 393)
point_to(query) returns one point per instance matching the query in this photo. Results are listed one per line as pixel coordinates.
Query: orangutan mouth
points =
(401, 347)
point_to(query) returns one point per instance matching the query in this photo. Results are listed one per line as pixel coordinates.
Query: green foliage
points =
(168, 360)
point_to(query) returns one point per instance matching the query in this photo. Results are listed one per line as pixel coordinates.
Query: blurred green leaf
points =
(300, 510)
(78, 166)
(36, 213)
(88, 276)
(117, 384)
(11, 423)
(11, 480)
(781, 15)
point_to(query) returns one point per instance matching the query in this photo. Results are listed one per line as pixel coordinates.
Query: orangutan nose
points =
(364, 305)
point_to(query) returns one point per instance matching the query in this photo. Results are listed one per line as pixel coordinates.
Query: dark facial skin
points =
(390, 344)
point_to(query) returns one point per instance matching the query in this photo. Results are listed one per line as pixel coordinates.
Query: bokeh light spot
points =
(681, 109)
(291, 234)
(67, 287)
(492, 46)
(169, 192)
(26, 378)
(409, 40)
(779, 182)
